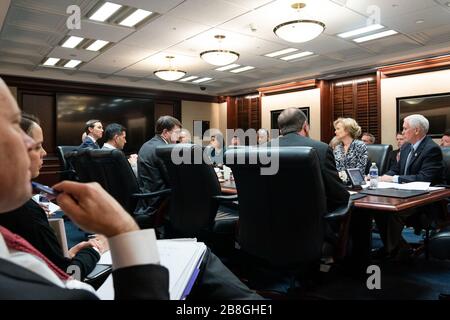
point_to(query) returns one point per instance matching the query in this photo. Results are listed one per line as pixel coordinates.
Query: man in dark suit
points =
(23, 275)
(395, 154)
(420, 160)
(94, 131)
(152, 173)
(294, 128)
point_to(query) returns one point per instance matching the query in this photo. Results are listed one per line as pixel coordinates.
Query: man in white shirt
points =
(136, 269)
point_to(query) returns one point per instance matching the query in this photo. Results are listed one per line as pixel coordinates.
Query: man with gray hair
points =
(420, 160)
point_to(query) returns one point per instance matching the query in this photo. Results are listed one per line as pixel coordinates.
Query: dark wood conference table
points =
(380, 203)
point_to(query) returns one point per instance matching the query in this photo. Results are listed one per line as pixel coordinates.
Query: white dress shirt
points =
(127, 249)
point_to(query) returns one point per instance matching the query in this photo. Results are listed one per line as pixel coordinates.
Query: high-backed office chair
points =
(380, 154)
(195, 196)
(281, 216)
(111, 169)
(446, 161)
(66, 170)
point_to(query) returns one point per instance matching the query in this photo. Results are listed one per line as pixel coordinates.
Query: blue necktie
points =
(408, 160)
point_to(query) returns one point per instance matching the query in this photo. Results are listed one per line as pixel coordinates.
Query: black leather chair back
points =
(193, 184)
(111, 170)
(446, 160)
(280, 215)
(66, 169)
(380, 154)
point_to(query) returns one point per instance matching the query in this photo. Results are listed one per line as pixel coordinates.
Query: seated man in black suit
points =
(294, 129)
(395, 154)
(420, 160)
(94, 132)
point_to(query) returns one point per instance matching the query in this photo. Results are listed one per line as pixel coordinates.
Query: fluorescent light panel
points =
(72, 42)
(359, 31)
(134, 18)
(280, 52)
(297, 55)
(72, 64)
(201, 80)
(97, 45)
(356, 81)
(51, 61)
(242, 69)
(228, 67)
(105, 11)
(188, 78)
(376, 36)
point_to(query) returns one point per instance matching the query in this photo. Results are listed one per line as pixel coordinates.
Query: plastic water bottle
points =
(373, 174)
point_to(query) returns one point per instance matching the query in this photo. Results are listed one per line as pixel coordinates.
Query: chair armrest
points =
(151, 194)
(340, 212)
(221, 198)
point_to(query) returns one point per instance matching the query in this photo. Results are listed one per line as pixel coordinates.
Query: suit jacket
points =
(152, 175)
(425, 164)
(393, 158)
(89, 143)
(336, 193)
(30, 222)
(137, 282)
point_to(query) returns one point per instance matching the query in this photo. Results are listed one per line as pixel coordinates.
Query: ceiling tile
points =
(77, 54)
(101, 31)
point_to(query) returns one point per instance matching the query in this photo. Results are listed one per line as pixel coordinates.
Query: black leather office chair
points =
(195, 197)
(111, 169)
(446, 160)
(380, 154)
(281, 216)
(67, 171)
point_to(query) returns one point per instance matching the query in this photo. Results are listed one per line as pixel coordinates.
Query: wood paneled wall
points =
(38, 97)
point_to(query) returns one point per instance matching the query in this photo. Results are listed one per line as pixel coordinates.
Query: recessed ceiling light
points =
(72, 64)
(242, 69)
(51, 61)
(188, 78)
(420, 21)
(280, 52)
(72, 42)
(97, 45)
(228, 67)
(376, 36)
(105, 11)
(134, 18)
(201, 80)
(356, 32)
(297, 55)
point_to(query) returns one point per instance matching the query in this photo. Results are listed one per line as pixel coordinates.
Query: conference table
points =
(364, 208)
(379, 203)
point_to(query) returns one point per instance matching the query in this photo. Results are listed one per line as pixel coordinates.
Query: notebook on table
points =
(394, 193)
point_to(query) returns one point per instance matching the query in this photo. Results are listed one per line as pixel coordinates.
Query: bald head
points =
(292, 120)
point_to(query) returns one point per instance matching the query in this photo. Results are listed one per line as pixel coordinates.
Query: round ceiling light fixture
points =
(170, 74)
(301, 30)
(219, 57)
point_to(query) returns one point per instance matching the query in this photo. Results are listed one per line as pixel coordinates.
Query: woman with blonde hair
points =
(350, 152)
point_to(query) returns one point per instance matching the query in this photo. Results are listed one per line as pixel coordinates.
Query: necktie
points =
(408, 160)
(16, 242)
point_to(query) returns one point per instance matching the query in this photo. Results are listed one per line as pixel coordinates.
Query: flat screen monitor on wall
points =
(137, 115)
(275, 113)
(436, 108)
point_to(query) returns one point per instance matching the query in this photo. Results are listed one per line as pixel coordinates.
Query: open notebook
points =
(182, 257)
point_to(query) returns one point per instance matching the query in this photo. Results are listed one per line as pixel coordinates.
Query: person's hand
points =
(386, 178)
(133, 159)
(100, 242)
(76, 248)
(93, 209)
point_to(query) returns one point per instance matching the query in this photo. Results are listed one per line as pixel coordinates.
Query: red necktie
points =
(16, 242)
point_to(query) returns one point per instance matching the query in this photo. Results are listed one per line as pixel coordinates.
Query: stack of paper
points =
(181, 257)
(423, 186)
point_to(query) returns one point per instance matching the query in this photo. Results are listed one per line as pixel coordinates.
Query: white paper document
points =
(180, 257)
(422, 186)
